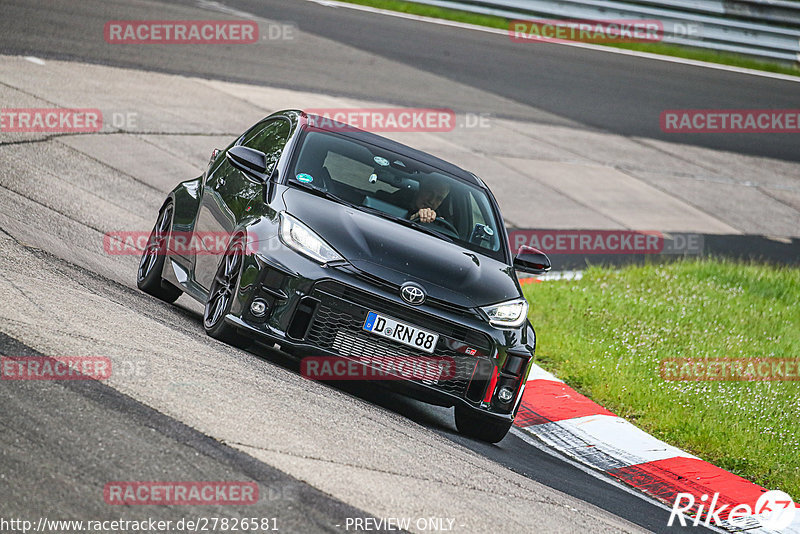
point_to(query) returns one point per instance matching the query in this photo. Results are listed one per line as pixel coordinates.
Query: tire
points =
(148, 276)
(220, 296)
(480, 427)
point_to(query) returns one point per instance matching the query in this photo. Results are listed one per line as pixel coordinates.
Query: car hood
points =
(398, 254)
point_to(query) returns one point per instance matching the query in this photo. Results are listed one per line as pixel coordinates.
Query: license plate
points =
(384, 326)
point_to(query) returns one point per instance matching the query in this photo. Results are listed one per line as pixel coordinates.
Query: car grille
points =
(472, 338)
(337, 326)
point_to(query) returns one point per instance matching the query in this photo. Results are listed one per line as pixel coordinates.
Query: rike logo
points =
(773, 510)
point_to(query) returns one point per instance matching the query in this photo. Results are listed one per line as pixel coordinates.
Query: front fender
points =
(186, 197)
(260, 233)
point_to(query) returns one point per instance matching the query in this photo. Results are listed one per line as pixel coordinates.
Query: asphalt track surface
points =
(72, 435)
(44, 433)
(416, 64)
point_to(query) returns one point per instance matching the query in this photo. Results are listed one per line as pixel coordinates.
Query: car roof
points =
(356, 134)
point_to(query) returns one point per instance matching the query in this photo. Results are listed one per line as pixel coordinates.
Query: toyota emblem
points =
(412, 293)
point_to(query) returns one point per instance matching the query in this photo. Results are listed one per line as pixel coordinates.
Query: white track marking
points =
(619, 434)
(537, 373)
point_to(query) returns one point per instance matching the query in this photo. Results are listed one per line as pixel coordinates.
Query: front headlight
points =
(301, 238)
(509, 314)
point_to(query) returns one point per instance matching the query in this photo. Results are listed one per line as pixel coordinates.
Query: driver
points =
(428, 199)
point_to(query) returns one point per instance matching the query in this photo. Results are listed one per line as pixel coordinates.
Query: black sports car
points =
(346, 245)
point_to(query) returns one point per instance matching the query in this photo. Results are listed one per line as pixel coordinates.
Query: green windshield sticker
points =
(305, 178)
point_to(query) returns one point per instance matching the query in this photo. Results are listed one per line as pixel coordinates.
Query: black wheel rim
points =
(156, 244)
(224, 284)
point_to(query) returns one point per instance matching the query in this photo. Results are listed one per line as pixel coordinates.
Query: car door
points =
(227, 193)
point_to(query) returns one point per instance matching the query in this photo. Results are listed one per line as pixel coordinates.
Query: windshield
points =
(397, 187)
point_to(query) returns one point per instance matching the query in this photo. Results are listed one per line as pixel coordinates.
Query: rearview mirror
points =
(531, 260)
(249, 160)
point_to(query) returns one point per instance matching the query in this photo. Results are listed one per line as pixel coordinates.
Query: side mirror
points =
(249, 160)
(531, 260)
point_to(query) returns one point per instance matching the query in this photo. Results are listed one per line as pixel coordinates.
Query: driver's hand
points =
(425, 215)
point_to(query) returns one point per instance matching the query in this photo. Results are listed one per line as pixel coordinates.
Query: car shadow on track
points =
(435, 418)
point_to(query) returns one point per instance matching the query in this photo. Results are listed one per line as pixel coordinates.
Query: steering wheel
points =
(447, 225)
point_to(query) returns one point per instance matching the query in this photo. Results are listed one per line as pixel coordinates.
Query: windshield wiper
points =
(406, 222)
(322, 193)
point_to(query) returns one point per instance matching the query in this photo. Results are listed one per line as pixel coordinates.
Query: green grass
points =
(606, 334)
(698, 54)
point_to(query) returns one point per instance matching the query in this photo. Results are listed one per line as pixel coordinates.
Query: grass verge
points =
(606, 334)
(490, 21)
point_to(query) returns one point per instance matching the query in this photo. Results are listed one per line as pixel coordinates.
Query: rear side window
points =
(270, 138)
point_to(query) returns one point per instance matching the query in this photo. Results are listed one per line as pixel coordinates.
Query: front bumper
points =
(319, 311)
